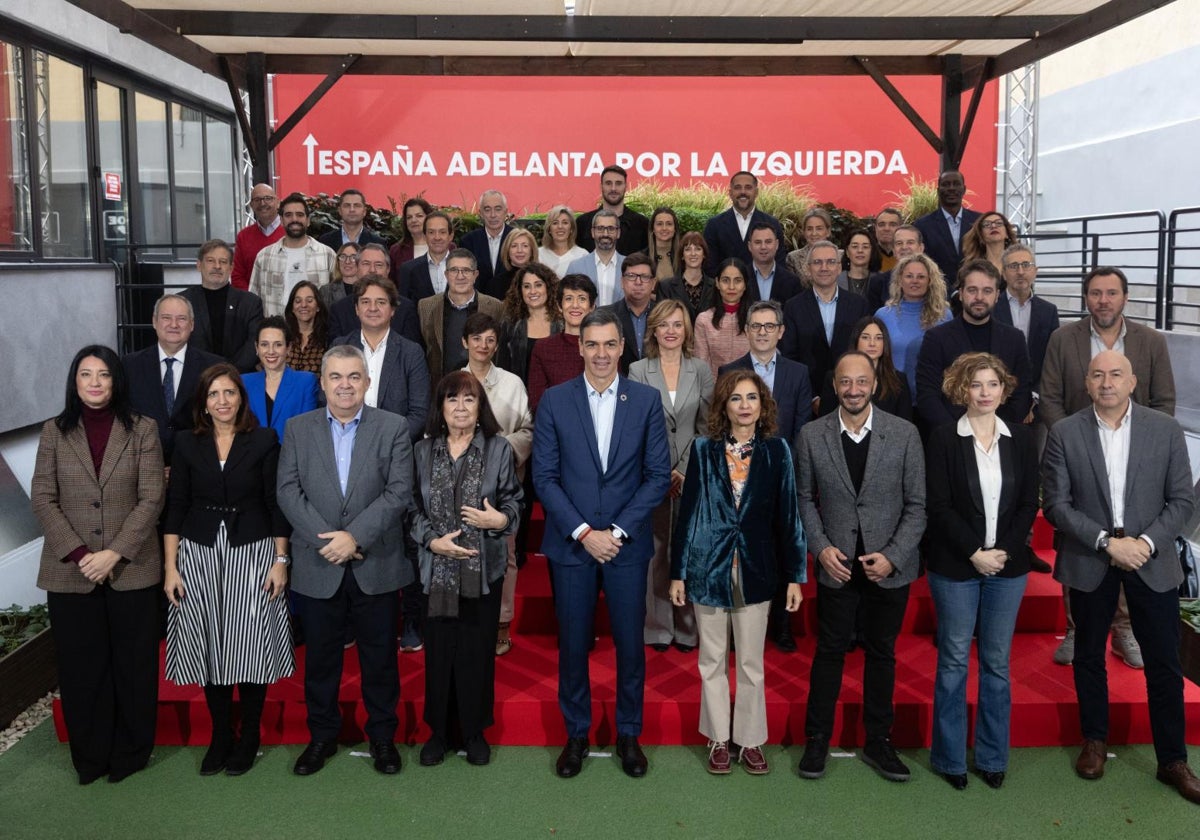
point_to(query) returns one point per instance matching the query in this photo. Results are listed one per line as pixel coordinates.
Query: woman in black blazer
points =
(225, 545)
(981, 498)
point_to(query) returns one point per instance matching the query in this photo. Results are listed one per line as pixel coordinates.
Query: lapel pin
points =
(624, 397)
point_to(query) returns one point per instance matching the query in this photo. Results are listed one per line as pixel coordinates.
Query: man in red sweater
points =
(265, 230)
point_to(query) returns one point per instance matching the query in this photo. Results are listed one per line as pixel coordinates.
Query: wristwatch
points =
(1102, 543)
(284, 559)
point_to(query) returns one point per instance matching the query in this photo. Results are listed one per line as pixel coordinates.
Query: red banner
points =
(544, 140)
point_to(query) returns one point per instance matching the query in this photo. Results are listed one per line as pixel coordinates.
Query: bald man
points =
(1117, 519)
(266, 229)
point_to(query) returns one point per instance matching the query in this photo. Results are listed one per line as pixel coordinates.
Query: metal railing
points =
(1181, 283)
(140, 283)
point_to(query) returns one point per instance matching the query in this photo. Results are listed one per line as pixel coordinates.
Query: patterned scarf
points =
(453, 577)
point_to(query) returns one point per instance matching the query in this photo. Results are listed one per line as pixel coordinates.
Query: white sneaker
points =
(1126, 647)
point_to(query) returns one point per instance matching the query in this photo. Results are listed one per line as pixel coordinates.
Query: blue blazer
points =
(573, 487)
(940, 245)
(804, 332)
(792, 393)
(298, 393)
(764, 527)
(477, 243)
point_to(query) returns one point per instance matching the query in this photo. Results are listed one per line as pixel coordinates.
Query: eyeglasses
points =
(638, 278)
(350, 258)
(605, 228)
(992, 224)
(763, 328)
(826, 263)
(1024, 265)
(460, 272)
(263, 199)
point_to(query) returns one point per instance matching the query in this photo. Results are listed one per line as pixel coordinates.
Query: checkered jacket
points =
(270, 271)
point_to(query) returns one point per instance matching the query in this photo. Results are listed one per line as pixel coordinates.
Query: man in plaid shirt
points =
(279, 267)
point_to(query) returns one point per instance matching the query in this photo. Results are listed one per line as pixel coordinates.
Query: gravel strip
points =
(26, 721)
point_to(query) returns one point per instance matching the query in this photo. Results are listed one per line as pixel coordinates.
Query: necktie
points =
(169, 386)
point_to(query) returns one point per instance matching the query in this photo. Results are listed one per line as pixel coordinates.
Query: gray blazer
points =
(890, 510)
(378, 497)
(1159, 497)
(687, 419)
(500, 485)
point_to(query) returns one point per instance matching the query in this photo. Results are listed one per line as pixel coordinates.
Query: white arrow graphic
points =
(311, 143)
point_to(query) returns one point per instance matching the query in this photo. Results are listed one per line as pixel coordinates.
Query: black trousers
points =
(107, 643)
(882, 616)
(1154, 617)
(460, 665)
(373, 620)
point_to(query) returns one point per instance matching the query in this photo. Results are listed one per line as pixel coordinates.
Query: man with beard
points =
(266, 229)
(865, 533)
(226, 318)
(635, 228)
(973, 331)
(943, 229)
(279, 267)
(727, 233)
(603, 265)
(1064, 392)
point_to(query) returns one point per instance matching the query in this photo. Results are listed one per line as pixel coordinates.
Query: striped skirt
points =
(225, 629)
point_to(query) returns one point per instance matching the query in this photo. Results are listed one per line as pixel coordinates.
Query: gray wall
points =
(49, 312)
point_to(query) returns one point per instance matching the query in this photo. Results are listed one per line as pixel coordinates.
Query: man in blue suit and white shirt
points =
(601, 464)
(789, 384)
(944, 228)
(484, 242)
(345, 484)
(603, 265)
(727, 233)
(1019, 307)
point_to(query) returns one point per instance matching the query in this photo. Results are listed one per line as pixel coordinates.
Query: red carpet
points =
(1044, 711)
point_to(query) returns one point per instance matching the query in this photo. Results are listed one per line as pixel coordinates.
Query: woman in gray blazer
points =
(468, 502)
(686, 385)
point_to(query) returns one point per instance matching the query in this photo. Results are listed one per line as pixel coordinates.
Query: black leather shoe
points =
(816, 752)
(478, 751)
(682, 648)
(387, 758)
(570, 760)
(785, 641)
(993, 779)
(217, 755)
(313, 757)
(659, 647)
(633, 760)
(242, 757)
(434, 751)
(958, 781)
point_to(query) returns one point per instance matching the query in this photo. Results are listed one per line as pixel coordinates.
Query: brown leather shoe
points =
(718, 758)
(1178, 775)
(753, 761)
(1090, 764)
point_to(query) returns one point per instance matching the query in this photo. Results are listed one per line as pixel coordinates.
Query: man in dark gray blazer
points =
(1118, 488)
(226, 318)
(861, 482)
(345, 485)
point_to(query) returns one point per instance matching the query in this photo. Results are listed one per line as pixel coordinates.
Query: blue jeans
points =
(994, 601)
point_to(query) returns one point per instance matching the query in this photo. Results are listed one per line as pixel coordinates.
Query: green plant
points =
(20, 624)
(1189, 611)
(921, 198)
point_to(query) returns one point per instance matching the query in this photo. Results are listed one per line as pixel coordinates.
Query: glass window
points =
(222, 205)
(114, 187)
(62, 147)
(16, 229)
(153, 184)
(191, 207)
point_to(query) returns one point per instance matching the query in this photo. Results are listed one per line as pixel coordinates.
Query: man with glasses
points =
(1035, 317)
(633, 310)
(634, 235)
(266, 229)
(352, 209)
(788, 382)
(373, 262)
(819, 321)
(772, 281)
(603, 265)
(443, 316)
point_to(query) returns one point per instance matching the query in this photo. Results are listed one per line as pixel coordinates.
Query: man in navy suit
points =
(727, 233)
(163, 377)
(601, 464)
(973, 331)
(819, 321)
(943, 229)
(789, 385)
(906, 240)
(485, 242)
(772, 280)
(352, 210)
(426, 275)
(1019, 307)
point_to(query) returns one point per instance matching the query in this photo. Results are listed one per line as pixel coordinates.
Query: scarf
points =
(452, 486)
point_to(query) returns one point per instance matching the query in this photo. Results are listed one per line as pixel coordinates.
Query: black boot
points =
(220, 705)
(242, 758)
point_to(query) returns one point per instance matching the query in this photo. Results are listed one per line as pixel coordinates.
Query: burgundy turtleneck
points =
(97, 425)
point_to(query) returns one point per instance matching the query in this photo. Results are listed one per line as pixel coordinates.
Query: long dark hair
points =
(202, 423)
(743, 310)
(72, 411)
(320, 320)
(887, 380)
(451, 385)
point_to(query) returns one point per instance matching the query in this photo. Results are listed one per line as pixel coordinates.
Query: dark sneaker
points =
(881, 757)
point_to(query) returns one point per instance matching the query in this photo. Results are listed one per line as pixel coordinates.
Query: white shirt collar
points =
(162, 354)
(866, 427)
(965, 430)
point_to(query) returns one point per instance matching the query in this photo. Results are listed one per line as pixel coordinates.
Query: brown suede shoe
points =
(1090, 764)
(1178, 775)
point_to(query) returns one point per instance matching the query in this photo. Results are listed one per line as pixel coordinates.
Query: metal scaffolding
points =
(1018, 141)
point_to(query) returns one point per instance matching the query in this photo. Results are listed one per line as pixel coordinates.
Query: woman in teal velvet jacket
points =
(737, 514)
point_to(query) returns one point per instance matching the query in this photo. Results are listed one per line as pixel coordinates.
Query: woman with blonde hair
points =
(559, 248)
(916, 303)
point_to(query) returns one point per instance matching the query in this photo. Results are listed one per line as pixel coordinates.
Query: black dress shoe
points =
(785, 641)
(387, 758)
(633, 760)
(660, 647)
(313, 757)
(434, 751)
(570, 760)
(682, 648)
(478, 751)
(217, 755)
(993, 779)
(958, 781)
(243, 755)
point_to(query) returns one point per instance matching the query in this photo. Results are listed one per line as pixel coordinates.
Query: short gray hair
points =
(820, 243)
(343, 351)
(463, 254)
(772, 306)
(181, 298)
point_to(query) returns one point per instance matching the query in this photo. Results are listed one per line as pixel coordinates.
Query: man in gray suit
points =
(345, 485)
(1118, 487)
(861, 481)
(603, 264)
